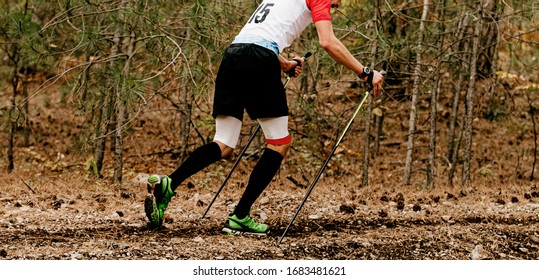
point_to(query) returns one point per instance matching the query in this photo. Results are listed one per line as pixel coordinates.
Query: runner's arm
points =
(335, 48)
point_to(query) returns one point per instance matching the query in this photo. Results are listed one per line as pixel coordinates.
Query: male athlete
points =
(249, 78)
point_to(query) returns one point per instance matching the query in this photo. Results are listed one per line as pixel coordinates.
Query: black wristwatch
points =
(367, 73)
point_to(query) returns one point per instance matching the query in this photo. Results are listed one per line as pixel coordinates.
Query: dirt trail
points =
(112, 225)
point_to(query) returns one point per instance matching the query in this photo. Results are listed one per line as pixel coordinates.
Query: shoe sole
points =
(152, 213)
(231, 231)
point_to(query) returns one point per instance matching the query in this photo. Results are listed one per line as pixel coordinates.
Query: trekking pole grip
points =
(293, 70)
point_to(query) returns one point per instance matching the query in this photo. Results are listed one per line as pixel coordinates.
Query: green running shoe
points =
(245, 226)
(158, 198)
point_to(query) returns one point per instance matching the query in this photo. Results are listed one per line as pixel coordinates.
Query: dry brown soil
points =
(66, 220)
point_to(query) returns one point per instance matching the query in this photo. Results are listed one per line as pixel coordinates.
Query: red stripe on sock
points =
(282, 141)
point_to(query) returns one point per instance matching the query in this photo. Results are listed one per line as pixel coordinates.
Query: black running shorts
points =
(249, 78)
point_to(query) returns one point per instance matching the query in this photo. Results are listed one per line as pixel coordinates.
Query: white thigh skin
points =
(274, 128)
(227, 130)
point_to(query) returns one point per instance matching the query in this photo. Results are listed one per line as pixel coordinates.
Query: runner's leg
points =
(227, 131)
(278, 140)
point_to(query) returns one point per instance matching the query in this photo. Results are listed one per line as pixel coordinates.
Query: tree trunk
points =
(431, 169)
(185, 107)
(12, 112)
(26, 113)
(86, 78)
(470, 96)
(118, 137)
(100, 134)
(489, 38)
(461, 46)
(379, 124)
(415, 92)
(121, 107)
(532, 176)
(366, 145)
(105, 110)
(492, 16)
(378, 119)
(532, 112)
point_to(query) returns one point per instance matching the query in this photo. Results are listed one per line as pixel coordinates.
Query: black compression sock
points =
(263, 172)
(198, 160)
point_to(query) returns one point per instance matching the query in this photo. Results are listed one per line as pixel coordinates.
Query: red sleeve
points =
(319, 9)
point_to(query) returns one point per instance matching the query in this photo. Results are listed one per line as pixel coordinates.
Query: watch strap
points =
(369, 75)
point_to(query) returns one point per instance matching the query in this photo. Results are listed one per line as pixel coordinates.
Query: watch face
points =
(366, 70)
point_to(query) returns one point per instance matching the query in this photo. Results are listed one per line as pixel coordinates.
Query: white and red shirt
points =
(275, 24)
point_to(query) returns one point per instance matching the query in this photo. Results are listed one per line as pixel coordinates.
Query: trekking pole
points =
(290, 74)
(346, 128)
(231, 170)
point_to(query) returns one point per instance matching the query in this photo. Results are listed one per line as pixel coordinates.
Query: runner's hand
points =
(293, 67)
(377, 80)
